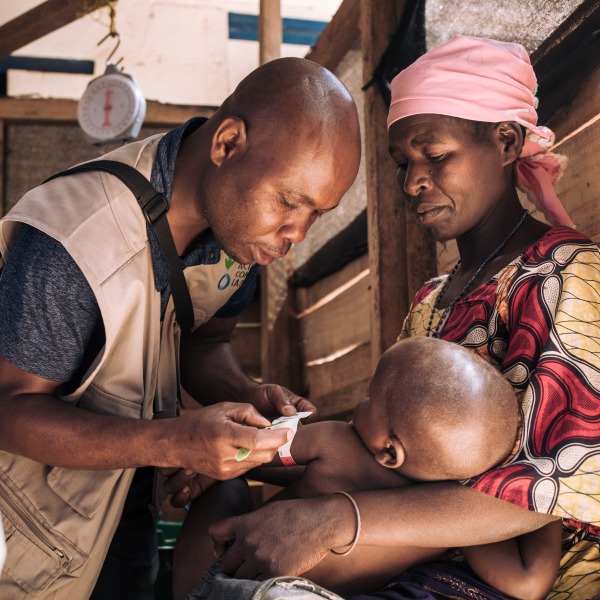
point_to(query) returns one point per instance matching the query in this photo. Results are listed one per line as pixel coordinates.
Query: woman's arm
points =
(523, 567)
(435, 515)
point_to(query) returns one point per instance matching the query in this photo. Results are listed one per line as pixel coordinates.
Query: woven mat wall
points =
(33, 152)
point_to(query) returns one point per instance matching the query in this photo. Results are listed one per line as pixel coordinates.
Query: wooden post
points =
(401, 257)
(338, 36)
(279, 355)
(270, 31)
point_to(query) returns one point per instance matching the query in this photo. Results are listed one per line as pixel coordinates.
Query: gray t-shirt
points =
(50, 322)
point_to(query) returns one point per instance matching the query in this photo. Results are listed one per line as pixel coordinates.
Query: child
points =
(436, 412)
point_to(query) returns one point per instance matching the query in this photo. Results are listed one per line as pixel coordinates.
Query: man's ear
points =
(509, 136)
(229, 138)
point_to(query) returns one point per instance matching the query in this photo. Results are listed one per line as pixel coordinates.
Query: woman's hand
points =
(283, 538)
(184, 485)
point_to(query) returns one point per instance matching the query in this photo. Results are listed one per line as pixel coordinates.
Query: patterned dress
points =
(538, 321)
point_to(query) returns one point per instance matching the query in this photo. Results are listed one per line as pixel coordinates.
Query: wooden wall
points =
(335, 334)
(347, 319)
(39, 137)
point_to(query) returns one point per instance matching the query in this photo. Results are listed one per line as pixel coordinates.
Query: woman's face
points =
(451, 177)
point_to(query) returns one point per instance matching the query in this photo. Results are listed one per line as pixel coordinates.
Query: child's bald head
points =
(453, 415)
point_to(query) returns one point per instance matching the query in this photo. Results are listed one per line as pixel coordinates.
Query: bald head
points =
(298, 107)
(291, 93)
(459, 416)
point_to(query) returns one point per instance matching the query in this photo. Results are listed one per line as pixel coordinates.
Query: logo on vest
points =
(235, 277)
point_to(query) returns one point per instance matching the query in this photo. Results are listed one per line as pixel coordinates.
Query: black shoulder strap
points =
(154, 206)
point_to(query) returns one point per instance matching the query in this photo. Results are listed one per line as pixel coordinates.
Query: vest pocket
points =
(36, 554)
(83, 491)
(99, 401)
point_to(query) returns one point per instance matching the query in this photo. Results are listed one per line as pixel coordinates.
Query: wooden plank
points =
(580, 111)
(270, 31)
(385, 222)
(401, 255)
(339, 324)
(322, 378)
(338, 37)
(42, 20)
(60, 110)
(579, 187)
(308, 297)
(340, 403)
(280, 348)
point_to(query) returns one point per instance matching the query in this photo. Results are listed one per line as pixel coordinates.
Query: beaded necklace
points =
(436, 331)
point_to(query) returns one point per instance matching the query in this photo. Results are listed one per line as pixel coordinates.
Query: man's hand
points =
(283, 538)
(210, 437)
(211, 373)
(274, 400)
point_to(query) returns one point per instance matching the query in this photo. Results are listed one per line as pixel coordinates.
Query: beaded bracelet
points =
(358, 525)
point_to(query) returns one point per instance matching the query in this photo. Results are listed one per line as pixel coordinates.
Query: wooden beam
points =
(583, 109)
(42, 20)
(567, 60)
(326, 331)
(60, 110)
(270, 31)
(338, 37)
(579, 187)
(328, 377)
(401, 256)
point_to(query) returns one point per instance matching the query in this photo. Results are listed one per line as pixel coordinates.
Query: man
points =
(88, 332)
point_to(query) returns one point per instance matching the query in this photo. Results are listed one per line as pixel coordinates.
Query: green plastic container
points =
(167, 534)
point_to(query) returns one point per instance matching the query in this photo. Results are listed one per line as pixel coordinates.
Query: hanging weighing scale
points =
(112, 108)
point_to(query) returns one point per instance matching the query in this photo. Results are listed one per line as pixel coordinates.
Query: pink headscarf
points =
(491, 81)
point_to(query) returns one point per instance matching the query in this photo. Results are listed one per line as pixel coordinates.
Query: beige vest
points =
(55, 518)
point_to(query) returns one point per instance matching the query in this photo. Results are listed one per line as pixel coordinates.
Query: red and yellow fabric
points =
(538, 321)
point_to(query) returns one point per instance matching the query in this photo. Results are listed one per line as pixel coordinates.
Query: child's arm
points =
(523, 567)
(336, 459)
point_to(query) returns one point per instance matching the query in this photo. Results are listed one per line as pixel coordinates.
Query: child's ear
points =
(393, 455)
(400, 453)
(509, 136)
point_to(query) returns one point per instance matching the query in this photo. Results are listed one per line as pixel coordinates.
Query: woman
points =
(524, 295)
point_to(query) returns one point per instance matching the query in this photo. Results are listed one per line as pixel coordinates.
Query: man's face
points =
(450, 177)
(262, 201)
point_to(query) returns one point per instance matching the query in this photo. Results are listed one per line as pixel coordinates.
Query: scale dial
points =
(112, 108)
